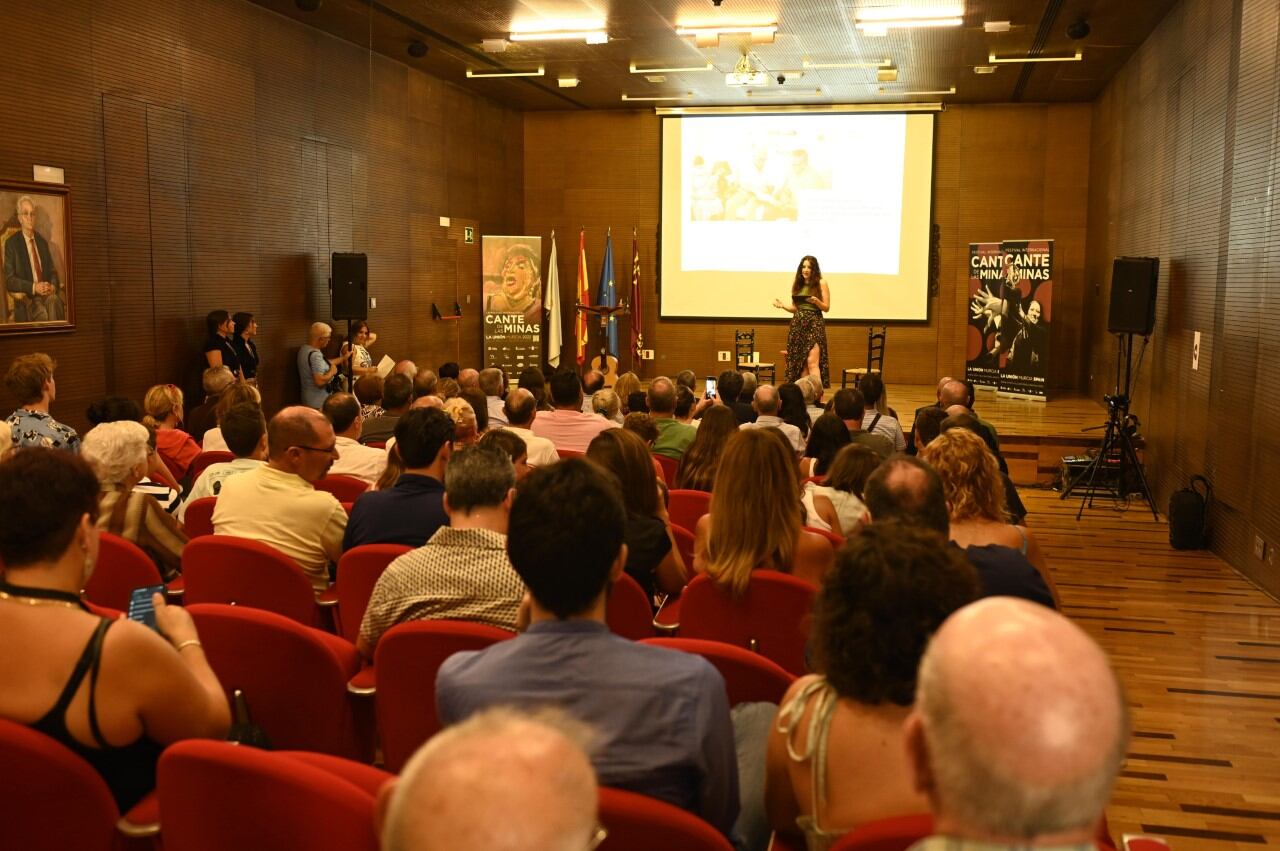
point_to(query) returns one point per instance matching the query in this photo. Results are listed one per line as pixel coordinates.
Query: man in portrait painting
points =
(29, 271)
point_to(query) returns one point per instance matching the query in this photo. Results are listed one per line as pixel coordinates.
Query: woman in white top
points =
(361, 360)
(837, 506)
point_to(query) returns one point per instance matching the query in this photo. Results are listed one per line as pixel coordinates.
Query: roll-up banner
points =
(512, 302)
(1010, 308)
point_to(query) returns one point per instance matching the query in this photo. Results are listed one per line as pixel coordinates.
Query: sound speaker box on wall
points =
(350, 280)
(1133, 295)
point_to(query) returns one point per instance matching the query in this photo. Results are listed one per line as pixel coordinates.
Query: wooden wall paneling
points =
(387, 203)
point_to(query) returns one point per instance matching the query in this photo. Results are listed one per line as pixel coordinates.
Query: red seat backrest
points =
(569, 453)
(51, 799)
(684, 544)
(629, 612)
(358, 572)
(122, 566)
(407, 659)
(216, 796)
(891, 834)
(198, 518)
(294, 677)
(639, 823)
(226, 569)
(202, 461)
(771, 618)
(684, 507)
(748, 677)
(669, 466)
(345, 488)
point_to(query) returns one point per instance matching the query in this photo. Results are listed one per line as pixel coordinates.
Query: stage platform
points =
(1034, 436)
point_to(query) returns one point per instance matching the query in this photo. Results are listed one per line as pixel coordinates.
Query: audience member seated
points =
(672, 741)
(765, 403)
(1019, 731)
(876, 420)
(605, 403)
(643, 427)
(448, 388)
(462, 573)
(908, 489)
(499, 781)
(278, 505)
(424, 383)
(836, 505)
(406, 368)
(245, 431)
(835, 756)
(566, 425)
(397, 395)
(236, 394)
(685, 401)
(465, 427)
(975, 494)
(653, 559)
(450, 369)
(117, 452)
(755, 516)
(494, 385)
(791, 408)
(742, 404)
(960, 394)
(592, 383)
(316, 371)
(532, 379)
(202, 417)
(159, 482)
(411, 511)
(519, 410)
(30, 379)
(928, 426)
(468, 379)
(637, 403)
(162, 411)
(959, 417)
(674, 436)
(698, 466)
(827, 437)
(479, 403)
(368, 392)
(849, 406)
(626, 384)
(113, 691)
(811, 387)
(354, 459)
(512, 446)
(913, 445)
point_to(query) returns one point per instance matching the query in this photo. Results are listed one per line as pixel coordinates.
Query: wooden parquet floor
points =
(1198, 650)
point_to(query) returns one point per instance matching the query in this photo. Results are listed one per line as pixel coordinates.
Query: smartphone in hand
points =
(710, 391)
(141, 608)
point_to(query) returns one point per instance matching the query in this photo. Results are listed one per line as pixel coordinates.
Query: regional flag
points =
(551, 301)
(608, 294)
(637, 303)
(584, 297)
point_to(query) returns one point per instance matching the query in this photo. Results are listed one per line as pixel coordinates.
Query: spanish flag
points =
(584, 297)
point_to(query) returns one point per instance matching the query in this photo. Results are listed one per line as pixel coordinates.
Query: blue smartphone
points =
(140, 606)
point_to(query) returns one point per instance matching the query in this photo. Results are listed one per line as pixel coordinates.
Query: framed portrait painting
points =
(35, 242)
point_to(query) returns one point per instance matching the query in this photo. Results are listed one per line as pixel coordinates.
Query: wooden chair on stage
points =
(744, 347)
(875, 358)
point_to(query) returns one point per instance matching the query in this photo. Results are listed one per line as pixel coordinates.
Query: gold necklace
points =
(36, 601)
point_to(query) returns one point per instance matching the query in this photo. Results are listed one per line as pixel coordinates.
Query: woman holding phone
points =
(807, 336)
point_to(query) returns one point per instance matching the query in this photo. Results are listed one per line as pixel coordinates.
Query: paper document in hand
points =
(385, 366)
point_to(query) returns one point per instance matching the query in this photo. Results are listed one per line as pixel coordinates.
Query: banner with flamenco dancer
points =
(512, 292)
(1010, 308)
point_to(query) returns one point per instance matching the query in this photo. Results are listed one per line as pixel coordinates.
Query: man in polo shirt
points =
(277, 504)
(462, 572)
(766, 403)
(519, 410)
(674, 436)
(365, 463)
(566, 425)
(411, 511)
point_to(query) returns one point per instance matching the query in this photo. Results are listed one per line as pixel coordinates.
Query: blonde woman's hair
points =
(605, 403)
(755, 508)
(626, 384)
(6, 440)
(463, 416)
(970, 476)
(160, 401)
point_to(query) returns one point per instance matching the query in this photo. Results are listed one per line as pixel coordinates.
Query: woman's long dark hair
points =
(792, 409)
(214, 320)
(815, 275)
(828, 436)
(242, 320)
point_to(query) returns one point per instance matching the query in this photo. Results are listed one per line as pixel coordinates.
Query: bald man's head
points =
(468, 378)
(953, 393)
(765, 400)
(942, 382)
(499, 781)
(1020, 725)
(662, 396)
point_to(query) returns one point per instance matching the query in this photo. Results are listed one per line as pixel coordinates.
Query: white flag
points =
(552, 303)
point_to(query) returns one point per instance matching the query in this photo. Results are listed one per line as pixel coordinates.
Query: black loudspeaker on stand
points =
(349, 293)
(1116, 469)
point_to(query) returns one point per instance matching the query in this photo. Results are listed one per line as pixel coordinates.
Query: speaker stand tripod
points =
(1117, 455)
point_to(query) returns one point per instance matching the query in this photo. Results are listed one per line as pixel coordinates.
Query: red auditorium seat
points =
(198, 518)
(890, 834)
(81, 815)
(771, 618)
(122, 566)
(669, 467)
(294, 677)
(748, 677)
(638, 823)
(684, 507)
(217, 796)
(202, 461)
(238, 571)
(407, 659)
(358, 572)
(345, 488)
(629, 612)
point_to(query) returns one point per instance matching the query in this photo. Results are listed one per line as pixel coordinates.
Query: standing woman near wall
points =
(218, 349)
(245, 328)
(807, 336)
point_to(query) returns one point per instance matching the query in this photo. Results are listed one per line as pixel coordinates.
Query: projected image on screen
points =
(744, 197)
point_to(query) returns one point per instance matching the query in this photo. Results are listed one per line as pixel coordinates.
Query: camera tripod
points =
(1117, 455)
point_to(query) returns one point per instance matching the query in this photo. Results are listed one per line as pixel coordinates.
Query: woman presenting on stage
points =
(807, 337)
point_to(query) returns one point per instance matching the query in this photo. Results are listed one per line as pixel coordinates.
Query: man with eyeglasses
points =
(278, 504)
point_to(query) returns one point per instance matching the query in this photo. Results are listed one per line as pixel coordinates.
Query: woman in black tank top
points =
(115, 673)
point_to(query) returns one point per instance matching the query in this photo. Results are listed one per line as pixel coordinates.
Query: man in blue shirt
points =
(661, 716)
(413, 510)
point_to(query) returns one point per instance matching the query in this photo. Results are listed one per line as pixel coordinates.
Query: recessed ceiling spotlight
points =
(494, 45)
(984, 69)
(567, 82)
(417, 49)
(996, 26)
(1080, 29)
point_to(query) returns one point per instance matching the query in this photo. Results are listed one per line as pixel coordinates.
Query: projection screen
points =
(745, 197)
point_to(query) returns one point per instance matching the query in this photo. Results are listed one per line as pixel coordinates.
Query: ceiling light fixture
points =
(483, 74)
(878, 21)
(494, 45)
(950, 91)
(709, 35)
(635, 69)
(684, 96)
(887, 75)
(984, 69)
(592, 36)
(883, 63)
(781, 93)
(996, 26)
(1010, 60)
(567, 82)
